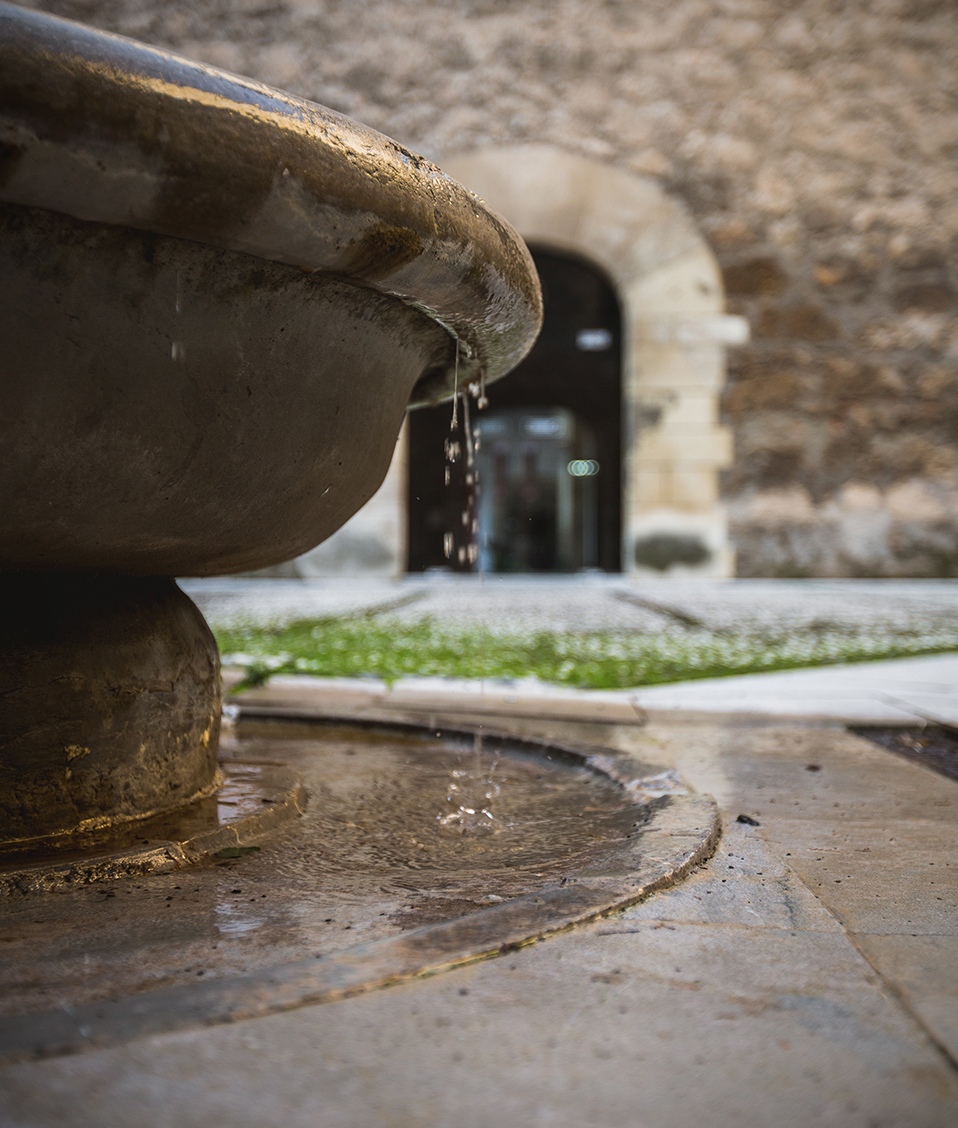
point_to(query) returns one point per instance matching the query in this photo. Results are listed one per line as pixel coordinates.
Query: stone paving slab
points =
(873, 844)
(526, 605)
(755, 993)
(613, 1026)
(765, 606)
(355, 697)
(896, 691)
(230, 602)
(897, 877)
(747, 883)
(588, 602)
(924, 971)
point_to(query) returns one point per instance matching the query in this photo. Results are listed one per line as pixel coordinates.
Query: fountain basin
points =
(184, 410)
(217, 302)
(368, 889)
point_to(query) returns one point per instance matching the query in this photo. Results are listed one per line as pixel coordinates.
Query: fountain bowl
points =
(217, 301)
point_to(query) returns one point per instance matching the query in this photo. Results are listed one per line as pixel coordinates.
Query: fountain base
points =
(252, 803)
(110, 705)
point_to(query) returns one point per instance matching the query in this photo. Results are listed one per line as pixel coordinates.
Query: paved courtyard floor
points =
(806, 975)
(904, 691)
(585, 602)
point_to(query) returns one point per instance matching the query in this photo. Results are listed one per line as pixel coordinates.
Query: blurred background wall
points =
(813, 144)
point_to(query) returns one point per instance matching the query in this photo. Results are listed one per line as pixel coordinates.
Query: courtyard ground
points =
(805, 975)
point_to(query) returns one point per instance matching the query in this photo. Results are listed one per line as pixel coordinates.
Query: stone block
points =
(756, 277)
(801, 321)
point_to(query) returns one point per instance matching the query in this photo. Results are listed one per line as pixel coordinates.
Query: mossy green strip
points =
(599, 660)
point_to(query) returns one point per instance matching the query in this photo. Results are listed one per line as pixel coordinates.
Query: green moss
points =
(600, 660)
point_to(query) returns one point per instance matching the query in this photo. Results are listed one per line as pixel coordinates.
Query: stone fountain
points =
(217, 302)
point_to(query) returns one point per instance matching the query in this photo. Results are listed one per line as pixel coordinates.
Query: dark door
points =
(537, 503)
(549, 457)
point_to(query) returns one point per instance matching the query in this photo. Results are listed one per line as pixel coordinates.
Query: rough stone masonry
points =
(815, 142)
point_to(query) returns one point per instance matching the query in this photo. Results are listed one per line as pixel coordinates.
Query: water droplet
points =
(454, 422)
(482, 401)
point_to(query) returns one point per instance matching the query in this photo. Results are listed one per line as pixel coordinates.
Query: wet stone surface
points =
(387, 843)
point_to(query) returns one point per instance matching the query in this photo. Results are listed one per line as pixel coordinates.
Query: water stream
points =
(471, 791)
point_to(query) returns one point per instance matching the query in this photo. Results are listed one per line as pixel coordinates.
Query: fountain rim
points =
(110, 130)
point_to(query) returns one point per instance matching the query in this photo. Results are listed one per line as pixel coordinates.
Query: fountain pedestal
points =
(111, 704)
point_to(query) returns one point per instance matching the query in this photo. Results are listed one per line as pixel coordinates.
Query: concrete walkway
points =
(904, 691)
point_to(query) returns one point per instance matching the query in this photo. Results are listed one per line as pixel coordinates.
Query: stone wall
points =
(813, 141)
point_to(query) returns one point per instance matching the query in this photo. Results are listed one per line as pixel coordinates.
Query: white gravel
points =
(526, 604)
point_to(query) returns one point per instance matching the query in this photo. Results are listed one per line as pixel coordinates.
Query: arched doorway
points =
(549, 458)
(673, 331)
(673, 334)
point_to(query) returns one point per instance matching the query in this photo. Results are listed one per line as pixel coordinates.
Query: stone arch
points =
(674, 332)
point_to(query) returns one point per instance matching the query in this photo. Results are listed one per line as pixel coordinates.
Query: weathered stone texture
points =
(815, 143)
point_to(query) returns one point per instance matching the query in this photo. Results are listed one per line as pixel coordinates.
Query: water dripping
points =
(455, 447)
(470, 796)
(478, 391)
(453, 450)
(470, 438)
(454, 422)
